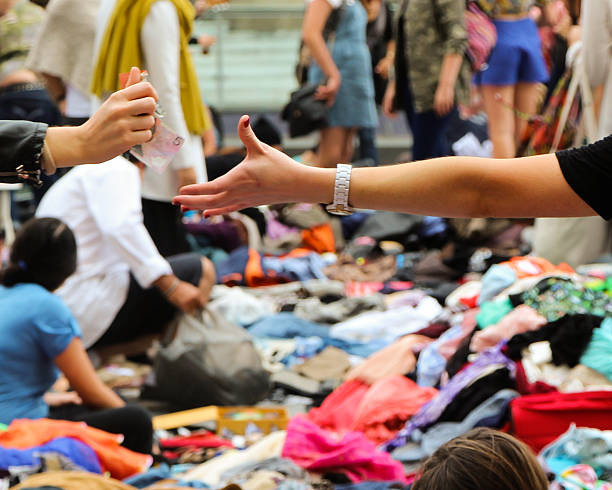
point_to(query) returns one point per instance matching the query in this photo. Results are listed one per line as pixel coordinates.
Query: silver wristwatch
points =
(340, 206)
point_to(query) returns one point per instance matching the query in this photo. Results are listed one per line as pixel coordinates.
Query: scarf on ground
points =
(120, 50)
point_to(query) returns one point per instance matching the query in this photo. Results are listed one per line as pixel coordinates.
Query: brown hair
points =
(482, 459)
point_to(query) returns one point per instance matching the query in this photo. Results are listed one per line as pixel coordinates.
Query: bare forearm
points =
(456, 187)
(100, 396)
(321, 54)
(451, 64)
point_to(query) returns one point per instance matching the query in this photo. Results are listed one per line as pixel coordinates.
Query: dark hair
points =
(43, 253)
(481, 459)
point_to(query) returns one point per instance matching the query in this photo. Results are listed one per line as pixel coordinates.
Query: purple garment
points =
(222, 235)
(431, 411)
(276, 230)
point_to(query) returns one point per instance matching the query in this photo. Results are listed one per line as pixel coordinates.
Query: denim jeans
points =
(428, 131)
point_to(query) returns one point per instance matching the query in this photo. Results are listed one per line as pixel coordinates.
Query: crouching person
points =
(41, 337)
(123, 288)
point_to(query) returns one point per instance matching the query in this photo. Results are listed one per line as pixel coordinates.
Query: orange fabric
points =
(254, 275)
(319, 238)
(535, 266)
(119, 461)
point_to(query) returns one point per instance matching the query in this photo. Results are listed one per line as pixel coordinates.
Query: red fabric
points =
(379, 411)
(314, 449)
(471, 301)
(337, 411)
(387, 405)
(525, 387)
(539, 419)
(196, 440)
(119, 461)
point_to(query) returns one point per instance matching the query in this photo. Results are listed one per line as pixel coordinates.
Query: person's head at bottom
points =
(43, 253)
(482, 459)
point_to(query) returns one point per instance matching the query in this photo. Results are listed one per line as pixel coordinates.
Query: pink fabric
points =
(379, 411)
(522, 319)
(317, 450)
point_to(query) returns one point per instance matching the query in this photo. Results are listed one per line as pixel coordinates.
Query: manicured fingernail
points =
(246, 122)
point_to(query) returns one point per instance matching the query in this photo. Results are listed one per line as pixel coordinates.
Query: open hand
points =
(265, 176)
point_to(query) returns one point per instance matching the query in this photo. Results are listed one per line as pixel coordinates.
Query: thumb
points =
(134, 77)
(249, 140)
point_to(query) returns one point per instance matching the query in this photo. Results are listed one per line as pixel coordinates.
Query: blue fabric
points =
(287, 326)
(161, 472)
(368, 150)
(516, 57)
(597, 354)
(354, 106)
(295, 268)
(35, 327)
(235, 263)
(495, 280)
(78, 452)
(311, 338)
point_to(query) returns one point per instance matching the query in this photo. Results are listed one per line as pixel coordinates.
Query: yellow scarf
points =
(120, 50)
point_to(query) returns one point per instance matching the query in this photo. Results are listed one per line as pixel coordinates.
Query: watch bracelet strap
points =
(342, 185)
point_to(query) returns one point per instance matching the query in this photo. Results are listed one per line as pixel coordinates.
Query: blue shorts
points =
(517, 56)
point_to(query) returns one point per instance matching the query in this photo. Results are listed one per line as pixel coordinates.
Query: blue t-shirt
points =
(35, 327)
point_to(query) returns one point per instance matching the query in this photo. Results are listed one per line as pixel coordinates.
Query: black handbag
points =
(304, 113)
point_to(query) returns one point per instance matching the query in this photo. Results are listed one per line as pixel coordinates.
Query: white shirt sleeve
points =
(115, 206)
(160, 41)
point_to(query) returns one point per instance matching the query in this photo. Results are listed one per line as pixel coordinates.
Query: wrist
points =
(318, 185)
(67, 145)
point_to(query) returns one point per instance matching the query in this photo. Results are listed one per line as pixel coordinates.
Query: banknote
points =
(158, 152)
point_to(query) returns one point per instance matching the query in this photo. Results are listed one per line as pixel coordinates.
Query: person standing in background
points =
(382, 51)
(514, 70)
(433, 75)
(596, 41)
(154, 34)
(62, 55)
(344, 76)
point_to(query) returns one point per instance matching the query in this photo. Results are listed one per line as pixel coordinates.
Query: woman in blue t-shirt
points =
(39, 337)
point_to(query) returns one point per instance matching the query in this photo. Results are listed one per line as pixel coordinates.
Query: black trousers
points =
(164, 223)
(132, 421)
(147, 311)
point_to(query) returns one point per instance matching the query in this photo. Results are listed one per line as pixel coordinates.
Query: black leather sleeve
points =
(21, 144)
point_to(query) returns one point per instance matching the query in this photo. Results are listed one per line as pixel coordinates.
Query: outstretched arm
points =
(450, 186)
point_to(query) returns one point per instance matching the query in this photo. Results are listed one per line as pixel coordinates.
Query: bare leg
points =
(349, 145)
(501, 119)
(209, 278)
(332, 147)
(526, 100)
